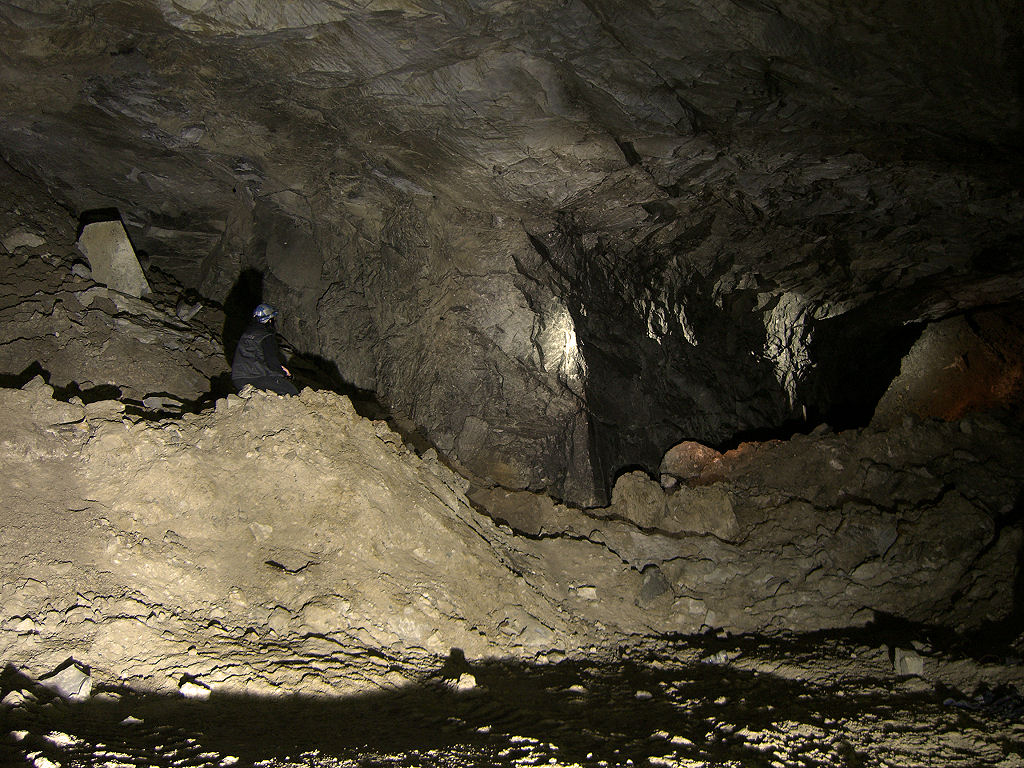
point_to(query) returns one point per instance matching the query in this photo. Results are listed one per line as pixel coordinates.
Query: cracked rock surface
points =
(90, 340)
(286, 542)
(560, 238)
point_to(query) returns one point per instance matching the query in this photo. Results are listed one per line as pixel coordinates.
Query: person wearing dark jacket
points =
(257, 359)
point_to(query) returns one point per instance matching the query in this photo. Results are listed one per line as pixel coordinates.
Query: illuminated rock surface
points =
(562, 238)
(679, 341)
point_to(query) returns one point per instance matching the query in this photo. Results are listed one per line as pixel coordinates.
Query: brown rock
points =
(638, 499)
(688, 460)
(702, 510)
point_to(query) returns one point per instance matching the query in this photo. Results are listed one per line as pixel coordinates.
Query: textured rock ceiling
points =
(560, 235)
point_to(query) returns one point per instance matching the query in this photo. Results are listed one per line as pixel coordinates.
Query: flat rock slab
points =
(112, 258)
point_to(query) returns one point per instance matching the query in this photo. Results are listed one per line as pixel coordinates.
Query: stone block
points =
(112, 259)
(907, 663)
(688, 460)
(71, 681)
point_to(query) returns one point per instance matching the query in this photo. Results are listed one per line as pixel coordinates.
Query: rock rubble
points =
(286, 542)
(94, 341)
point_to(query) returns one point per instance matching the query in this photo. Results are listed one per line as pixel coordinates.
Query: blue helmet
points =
(264, 313)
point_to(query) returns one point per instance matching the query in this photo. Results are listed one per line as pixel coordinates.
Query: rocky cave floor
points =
(827, 699)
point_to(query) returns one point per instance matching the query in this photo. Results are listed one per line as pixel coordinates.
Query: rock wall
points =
(562, 237)
(965, 363)
(920, 521)
(424, 304)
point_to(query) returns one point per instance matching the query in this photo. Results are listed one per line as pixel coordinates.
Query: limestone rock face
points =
(959, 365)
(562, 237)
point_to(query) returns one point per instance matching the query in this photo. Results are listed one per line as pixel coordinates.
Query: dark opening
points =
(95, 215)
(242, 299)
(857, 355)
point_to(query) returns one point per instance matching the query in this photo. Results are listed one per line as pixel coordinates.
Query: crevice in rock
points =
(857, 356)
(629, 152)
(286, 569)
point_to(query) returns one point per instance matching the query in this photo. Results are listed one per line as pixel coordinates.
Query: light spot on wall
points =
(559, 349)
(787, 339)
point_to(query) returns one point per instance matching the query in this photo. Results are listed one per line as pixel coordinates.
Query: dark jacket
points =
(257, 353)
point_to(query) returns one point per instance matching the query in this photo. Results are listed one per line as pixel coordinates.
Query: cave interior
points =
(546, 243)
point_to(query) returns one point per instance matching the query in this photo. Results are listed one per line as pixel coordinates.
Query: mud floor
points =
(805, 701)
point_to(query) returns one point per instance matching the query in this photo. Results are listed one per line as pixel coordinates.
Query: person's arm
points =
(271, 354)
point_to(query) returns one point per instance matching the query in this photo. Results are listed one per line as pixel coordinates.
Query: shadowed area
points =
(712, 701)
(669, 351)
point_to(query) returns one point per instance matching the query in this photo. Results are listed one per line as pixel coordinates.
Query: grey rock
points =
(723, 657)
(162, 403)
(112, 259)
(560, 237)
(186, 310)
(373, 550)
(638, 499)
(653, 587)
(907, 662)
(194, 689)
(37, 384)
(20, 238)
(15, 699)
(701, 510)
(464, 682)
(71, 681)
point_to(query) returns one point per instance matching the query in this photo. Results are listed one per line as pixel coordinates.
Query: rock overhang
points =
(708, 192)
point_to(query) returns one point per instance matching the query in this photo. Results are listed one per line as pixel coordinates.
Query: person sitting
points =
(257, 359)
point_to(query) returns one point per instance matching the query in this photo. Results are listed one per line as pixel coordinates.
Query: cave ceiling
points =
(561, 236)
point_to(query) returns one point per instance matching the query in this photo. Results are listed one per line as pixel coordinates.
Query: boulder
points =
(907, 663)
(688, 460)
(112, 258)
(701, 510)
(638, 499)
(71, 681)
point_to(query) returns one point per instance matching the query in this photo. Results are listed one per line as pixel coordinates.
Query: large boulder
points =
(112, 259)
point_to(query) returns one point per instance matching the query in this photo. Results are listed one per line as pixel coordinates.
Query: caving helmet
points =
(264, 313)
